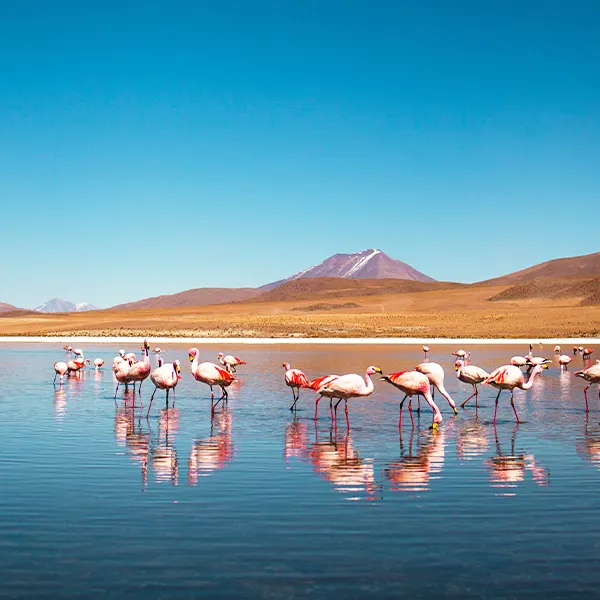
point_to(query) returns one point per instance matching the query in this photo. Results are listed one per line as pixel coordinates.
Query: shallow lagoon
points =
(99, 501)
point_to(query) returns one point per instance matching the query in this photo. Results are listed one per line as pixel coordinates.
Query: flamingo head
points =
(425, 348)
(145, 345)
(538, 369)
(220, 355)
(122, 352)
(286, 366)
(458, 364)
(581, 348)
(575, 350)
(88, 361)
(177, 367)
(372, 370)
(193, 352)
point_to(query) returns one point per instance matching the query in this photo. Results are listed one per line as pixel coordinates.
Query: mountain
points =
(58, 305)
(575, 266)
(7, 307)
(319, 288)
(367, 264)
(195, 297)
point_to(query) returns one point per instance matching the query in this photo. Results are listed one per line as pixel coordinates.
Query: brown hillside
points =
(319, 288)
(195, 297)
(4, 307)
(547, 288)
(575, 266)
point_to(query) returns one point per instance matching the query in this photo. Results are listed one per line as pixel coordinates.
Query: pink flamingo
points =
(472, 375)
(426, 351)
(98, 363)
(509, 377)
(435, 374)
(563, 361)
(557, 349)
(587, 353)
(60, 368)
(350, 386)
(318, 385)
(122, 374)
(591, 375)
(414, 383)
(165, 377)
(518, 361)
(295, 379)
(140, 370)
(211, 374)
(75, 365)
(230, 362)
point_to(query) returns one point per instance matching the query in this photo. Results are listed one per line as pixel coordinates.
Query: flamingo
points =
(317, 385)
(119, 358)
(98, 362)
(563, 361)
(587, 353)
(210, 374)
(470, 374)
(60, 368)
(130, 356)
(230, 362)
(75, 365)
(557, 349)
(122, 375)
(518, 361)
(350, 386)
(435, 374)
(462, 355)
(165, 377)
(591, 375)
(414, 383)
(77, 352)
(576, 350)
(509, 377)
(140, 370)
(68, 349)
(426, 351)
(295, 379)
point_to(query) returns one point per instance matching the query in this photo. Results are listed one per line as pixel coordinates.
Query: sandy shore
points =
(156, 341)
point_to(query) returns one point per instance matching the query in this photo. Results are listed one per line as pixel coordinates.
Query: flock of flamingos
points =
(422, 381)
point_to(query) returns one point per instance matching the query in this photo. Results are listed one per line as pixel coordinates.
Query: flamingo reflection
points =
(214, 452)
(419, 463)
(163, 454)
(471, 440)
(296, 440)
(130, 435)
(508, 470)
(588, 447)
(60, 403)
(339, 462)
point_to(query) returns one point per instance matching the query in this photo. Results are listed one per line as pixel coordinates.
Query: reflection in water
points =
(339, 462)
(214, 452)
(163, 454)
(296, 440)
(588, 447)
(417, 463)
(130, 434)
(471, 440)
(508, 470)
(60, 403)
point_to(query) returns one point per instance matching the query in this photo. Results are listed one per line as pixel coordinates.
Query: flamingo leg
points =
(476, 397)
(473, 394)
(347, 419)
(512, 402)
(167, 398)
(116, 391)
(412, 420)
(418, 404)
(293, 406)
(401, 406)
(55, 375)
(151, 398)
(212, 393)
(496, 407)
(317, 407)
(335, 408)
(587, 408)
(331, 407)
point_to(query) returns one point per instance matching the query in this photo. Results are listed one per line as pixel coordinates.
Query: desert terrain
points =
(344, 308)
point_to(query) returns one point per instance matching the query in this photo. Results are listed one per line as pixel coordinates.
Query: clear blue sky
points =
(151, 147)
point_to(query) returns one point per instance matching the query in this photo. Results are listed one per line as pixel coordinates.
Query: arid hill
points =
(4, 307)
(587, 265)
(320, 288)
(195, 297)
(548, 288)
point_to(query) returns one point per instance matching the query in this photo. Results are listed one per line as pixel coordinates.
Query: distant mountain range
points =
(372, 272)
(58, 305)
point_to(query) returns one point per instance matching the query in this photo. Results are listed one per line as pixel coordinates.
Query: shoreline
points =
(274, 341)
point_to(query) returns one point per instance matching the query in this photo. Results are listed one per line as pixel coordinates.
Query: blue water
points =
(99, 502)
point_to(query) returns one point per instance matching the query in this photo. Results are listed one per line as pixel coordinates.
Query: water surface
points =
(98, 501)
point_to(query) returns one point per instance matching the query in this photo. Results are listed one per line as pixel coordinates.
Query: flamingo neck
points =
(368, 383)
(195, 361)
(527, 386)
